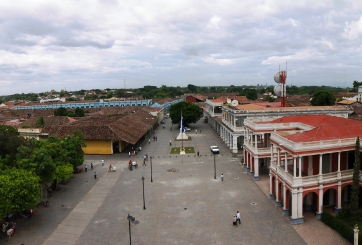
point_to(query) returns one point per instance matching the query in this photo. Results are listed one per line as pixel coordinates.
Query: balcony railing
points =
(312, 179)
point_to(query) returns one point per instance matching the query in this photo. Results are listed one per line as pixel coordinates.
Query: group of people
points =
(92, 168)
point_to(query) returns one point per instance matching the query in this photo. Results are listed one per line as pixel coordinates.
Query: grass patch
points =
(188, 138)
(188, 150)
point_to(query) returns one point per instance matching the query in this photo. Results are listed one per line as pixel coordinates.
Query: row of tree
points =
(150, 92)
(27, 165)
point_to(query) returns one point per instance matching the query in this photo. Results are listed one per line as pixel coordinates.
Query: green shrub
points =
(339, 225)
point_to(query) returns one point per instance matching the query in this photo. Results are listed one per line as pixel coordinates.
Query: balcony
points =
(311, 180)
(260, 150)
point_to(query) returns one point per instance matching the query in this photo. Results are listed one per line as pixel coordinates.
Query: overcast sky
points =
(85, 44)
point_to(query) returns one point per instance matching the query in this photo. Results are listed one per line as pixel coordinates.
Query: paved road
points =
(184, 207)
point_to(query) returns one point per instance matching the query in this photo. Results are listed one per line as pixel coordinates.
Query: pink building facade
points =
(310, 160)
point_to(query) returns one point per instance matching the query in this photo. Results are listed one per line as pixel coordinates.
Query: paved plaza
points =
(183, 206)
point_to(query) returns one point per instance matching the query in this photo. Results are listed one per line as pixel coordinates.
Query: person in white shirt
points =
(238, 217)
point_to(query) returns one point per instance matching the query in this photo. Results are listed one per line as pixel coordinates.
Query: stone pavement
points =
(188, 206)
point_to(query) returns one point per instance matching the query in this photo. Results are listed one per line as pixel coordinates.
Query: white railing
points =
(314, 145)
(312, 179)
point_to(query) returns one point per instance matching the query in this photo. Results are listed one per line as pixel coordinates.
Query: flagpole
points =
(182, 135)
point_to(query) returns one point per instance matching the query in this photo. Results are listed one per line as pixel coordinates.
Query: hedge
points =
(341, 227)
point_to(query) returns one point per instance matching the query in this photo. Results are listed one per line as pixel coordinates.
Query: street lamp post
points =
(214, 168)
(143, 185)
(151, 168)
(130, 218)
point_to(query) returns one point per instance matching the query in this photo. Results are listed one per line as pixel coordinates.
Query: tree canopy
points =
(27, 164)
(191, 112)
(323, 98)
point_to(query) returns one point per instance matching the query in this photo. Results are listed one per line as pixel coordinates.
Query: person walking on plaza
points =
(110, 168)
(92, 166)
(234, 221)
(170, 142)
(102, 162)
(198, 153)
(149, 141)
(85, 168)
(222, 177)
(144, 160)
(238, 217)
(95, 174)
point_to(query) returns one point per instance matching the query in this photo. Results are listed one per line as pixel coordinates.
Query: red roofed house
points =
(310, 158)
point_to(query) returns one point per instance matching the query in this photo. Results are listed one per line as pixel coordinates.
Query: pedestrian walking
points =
(234, 221)
(222, 177)
(85, 168)
(129, 154)
(238, 217)
(102, 162)
(196, 131)
(144, 160)
(170, 142)
(110, 168)
(95, 174)
(149, 141)
(198, 153)
(92, 166)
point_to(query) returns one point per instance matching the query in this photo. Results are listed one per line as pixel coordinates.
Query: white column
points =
(270, 184)
(294, 167)
(278, 160)
(256, 168)
(285, 162)
(294, 203)
(320, 164)
(300, 202)
(256, 141)
(235, 144)
(339, 195)
(284, 196)
(320, 199)
(300, 166)
(339, 162)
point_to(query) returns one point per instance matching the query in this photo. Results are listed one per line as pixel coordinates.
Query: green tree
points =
(192, 88)
(73, 148)
(355, 186)
(323, 98)
(191, 112)
(40, 123)
(61, 111)
(79, 112)
(251, 94)
(19, 191)
(10, 141)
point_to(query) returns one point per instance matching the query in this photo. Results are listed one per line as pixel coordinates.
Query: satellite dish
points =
(277, 77)
(234, 103)
(228, 100)
(278, 90)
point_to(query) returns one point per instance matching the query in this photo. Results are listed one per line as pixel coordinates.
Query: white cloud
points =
(50, 44)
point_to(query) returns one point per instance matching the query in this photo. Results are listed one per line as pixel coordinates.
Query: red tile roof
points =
(326, 128)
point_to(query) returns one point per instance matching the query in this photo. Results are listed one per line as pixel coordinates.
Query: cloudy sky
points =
(85, 44)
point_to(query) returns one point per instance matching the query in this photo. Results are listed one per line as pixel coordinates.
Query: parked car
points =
(162, 121)
(187, 129)
(214, 149)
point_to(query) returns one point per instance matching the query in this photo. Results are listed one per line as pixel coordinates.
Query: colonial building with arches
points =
(310, 160)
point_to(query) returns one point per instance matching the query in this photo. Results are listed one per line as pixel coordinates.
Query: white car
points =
(187, 129)
(214, 149)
